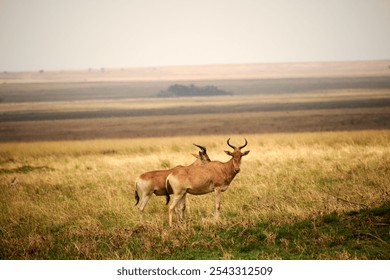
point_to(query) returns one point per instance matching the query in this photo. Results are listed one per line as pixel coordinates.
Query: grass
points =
(299, 196)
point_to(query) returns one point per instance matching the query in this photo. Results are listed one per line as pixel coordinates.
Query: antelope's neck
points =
(229, 171)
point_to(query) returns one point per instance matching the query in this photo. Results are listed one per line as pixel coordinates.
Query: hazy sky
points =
(82, 34)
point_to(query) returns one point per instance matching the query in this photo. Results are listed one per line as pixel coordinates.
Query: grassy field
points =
(323, 195)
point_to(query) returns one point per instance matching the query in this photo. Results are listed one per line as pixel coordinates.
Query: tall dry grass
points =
(52, 190)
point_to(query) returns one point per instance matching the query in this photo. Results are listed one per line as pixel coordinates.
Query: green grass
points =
(298, 196)
(360, 234)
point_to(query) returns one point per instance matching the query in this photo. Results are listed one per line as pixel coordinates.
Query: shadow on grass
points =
(25, 169)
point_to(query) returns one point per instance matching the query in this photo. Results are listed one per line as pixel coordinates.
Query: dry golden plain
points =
(164, 117)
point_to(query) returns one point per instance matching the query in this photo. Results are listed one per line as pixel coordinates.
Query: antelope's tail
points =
(167, 197)
(168, 190)
(136, 196)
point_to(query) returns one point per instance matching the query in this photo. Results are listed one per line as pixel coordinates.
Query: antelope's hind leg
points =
(144, 200)
(175, 203)
(181, 208)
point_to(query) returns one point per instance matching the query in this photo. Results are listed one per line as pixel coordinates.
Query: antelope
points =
(214, 176)
(153, 182)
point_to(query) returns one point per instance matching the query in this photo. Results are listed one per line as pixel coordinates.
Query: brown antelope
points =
(214, 177)
(153, 182)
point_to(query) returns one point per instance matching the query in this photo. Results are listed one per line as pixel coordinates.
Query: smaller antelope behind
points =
(153, 182)
(214, 177)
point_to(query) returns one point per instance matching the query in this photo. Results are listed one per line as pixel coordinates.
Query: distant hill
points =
(177, 90)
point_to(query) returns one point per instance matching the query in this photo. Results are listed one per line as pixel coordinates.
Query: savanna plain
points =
(315, 184)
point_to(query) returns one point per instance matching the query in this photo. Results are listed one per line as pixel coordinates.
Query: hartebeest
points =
(153, 182)
(202, 179)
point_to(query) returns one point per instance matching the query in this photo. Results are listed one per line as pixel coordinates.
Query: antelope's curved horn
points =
(231, 146)
(201, 147)
(243, 146)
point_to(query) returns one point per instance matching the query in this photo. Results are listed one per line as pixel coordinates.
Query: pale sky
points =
(82, 34)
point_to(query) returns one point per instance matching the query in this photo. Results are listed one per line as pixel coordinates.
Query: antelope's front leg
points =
(217, 192)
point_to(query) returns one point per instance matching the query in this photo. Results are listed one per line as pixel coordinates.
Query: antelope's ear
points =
(195, 155)
(229, 153)
(245, 153)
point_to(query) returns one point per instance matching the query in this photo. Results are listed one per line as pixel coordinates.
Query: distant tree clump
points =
(177, 90)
